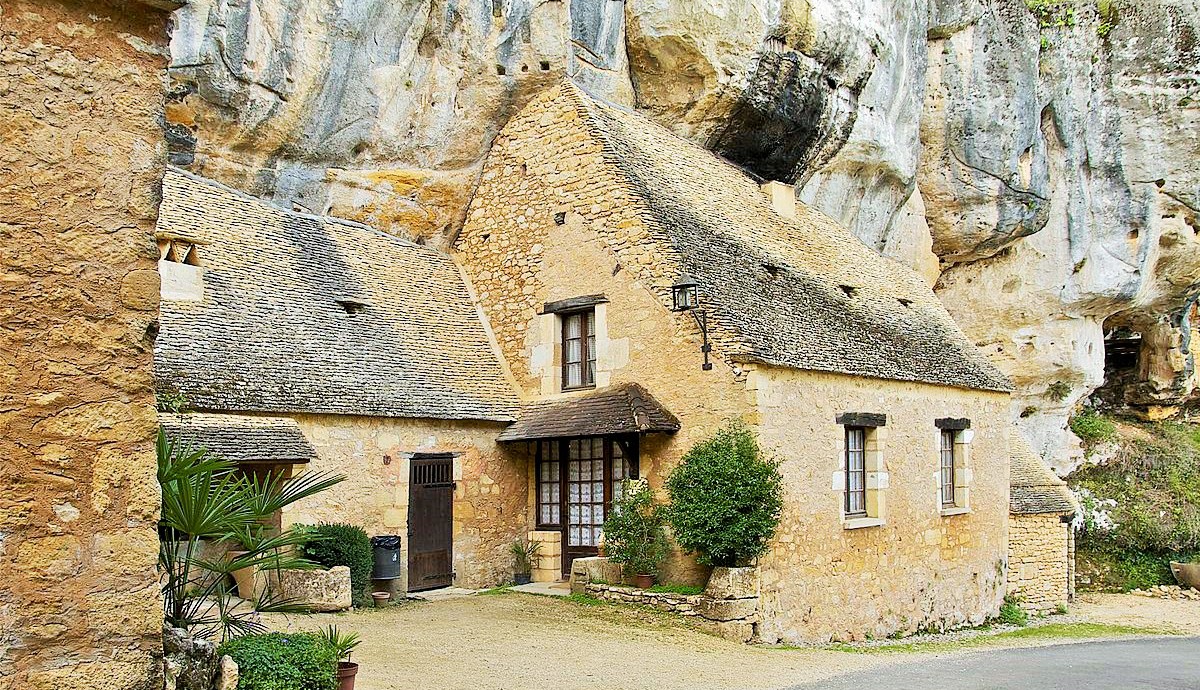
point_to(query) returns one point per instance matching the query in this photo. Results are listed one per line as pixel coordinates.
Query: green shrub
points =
(283, 661)
(348, 545)
(725, 498)
(635, 532)
(1011, 612)
(1093, 429)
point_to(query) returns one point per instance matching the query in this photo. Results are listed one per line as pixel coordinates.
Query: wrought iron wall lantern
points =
(685, 296)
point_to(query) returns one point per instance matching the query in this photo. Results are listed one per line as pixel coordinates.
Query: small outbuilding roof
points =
(1034, 488)
(803, 293)
(624, 409)
(304, 313)
(241, 438)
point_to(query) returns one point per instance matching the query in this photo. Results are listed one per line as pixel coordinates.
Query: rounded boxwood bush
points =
(726, 498)
(342, 544)
(283, 661)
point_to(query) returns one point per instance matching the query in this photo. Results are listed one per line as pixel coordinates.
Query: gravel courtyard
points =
(522, 641)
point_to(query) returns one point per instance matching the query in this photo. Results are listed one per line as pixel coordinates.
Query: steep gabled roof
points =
(1033, 487)
(803, 293)
(275, 333)
(240, 438)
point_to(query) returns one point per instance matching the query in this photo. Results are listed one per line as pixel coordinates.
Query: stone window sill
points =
(954, 510)
(860, 523)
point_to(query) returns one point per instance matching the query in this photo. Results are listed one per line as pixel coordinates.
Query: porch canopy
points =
(624, 409)
(243, 439)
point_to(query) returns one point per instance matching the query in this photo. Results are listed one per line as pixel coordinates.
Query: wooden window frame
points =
(947, 440)
(587, 356)
(850, 432)
(629, 450)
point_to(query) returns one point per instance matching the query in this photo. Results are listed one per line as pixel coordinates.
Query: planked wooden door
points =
(430, 522)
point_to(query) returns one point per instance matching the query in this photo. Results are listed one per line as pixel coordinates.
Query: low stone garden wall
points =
(729, 605)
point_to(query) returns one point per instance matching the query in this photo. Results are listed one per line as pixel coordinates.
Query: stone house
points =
(892, 429)
(1041, 541)
(303, 342)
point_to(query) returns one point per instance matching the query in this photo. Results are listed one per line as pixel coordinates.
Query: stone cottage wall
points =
(489, 498)
(1040, 558)
(920, 569)
(80, 159)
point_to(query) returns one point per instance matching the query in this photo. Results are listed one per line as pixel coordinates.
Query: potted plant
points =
(635, 534)
(343, 644)
(523, 555)
(726, 501)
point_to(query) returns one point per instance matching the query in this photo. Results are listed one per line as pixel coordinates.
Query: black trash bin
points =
(387, 557)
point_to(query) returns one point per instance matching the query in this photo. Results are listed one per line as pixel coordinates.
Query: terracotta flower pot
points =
(345, 674)
(381, 600)
(244, 577)
(643, 581)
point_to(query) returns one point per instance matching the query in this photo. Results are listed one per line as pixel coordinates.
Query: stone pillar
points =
(547, 567)
(81, 156)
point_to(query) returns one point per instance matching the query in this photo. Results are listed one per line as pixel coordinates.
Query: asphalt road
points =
(1144, 664)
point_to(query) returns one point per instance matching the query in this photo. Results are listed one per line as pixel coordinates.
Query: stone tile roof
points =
(803, 293)
(624, 409)
(241, 438)
(270, 334)
(1034, 488)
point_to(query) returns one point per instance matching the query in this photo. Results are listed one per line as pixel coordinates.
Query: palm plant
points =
(204, 499)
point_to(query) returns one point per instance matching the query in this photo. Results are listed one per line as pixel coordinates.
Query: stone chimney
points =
(782, 197)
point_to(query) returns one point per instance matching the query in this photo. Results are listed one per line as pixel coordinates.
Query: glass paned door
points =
(585, 492)
(576, 482)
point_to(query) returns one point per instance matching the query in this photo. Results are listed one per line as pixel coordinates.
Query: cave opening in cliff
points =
(1122, 364)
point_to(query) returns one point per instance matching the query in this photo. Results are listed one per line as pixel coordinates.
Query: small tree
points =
(634, 533)
(204, 499)
(726, 498)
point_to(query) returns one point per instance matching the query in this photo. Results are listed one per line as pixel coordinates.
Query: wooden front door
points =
(430, 520)
(578, 479)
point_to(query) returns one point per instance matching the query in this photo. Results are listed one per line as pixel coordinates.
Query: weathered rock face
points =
(1038, 165)
(80, 156)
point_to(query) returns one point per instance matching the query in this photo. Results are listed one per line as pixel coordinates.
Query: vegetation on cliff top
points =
(1140, 499)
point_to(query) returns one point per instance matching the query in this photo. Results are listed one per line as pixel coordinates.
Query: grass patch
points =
(675, 589)
(1093, 429)
(1049, 632)
(502, 589)
(585, 600)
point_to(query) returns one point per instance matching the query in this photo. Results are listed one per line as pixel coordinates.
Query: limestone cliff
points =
(1035, 159)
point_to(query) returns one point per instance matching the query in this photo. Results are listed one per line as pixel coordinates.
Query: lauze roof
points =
(1033, 487)
(240, 438)
(803, 293)
(310, 314)
(624, 409)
